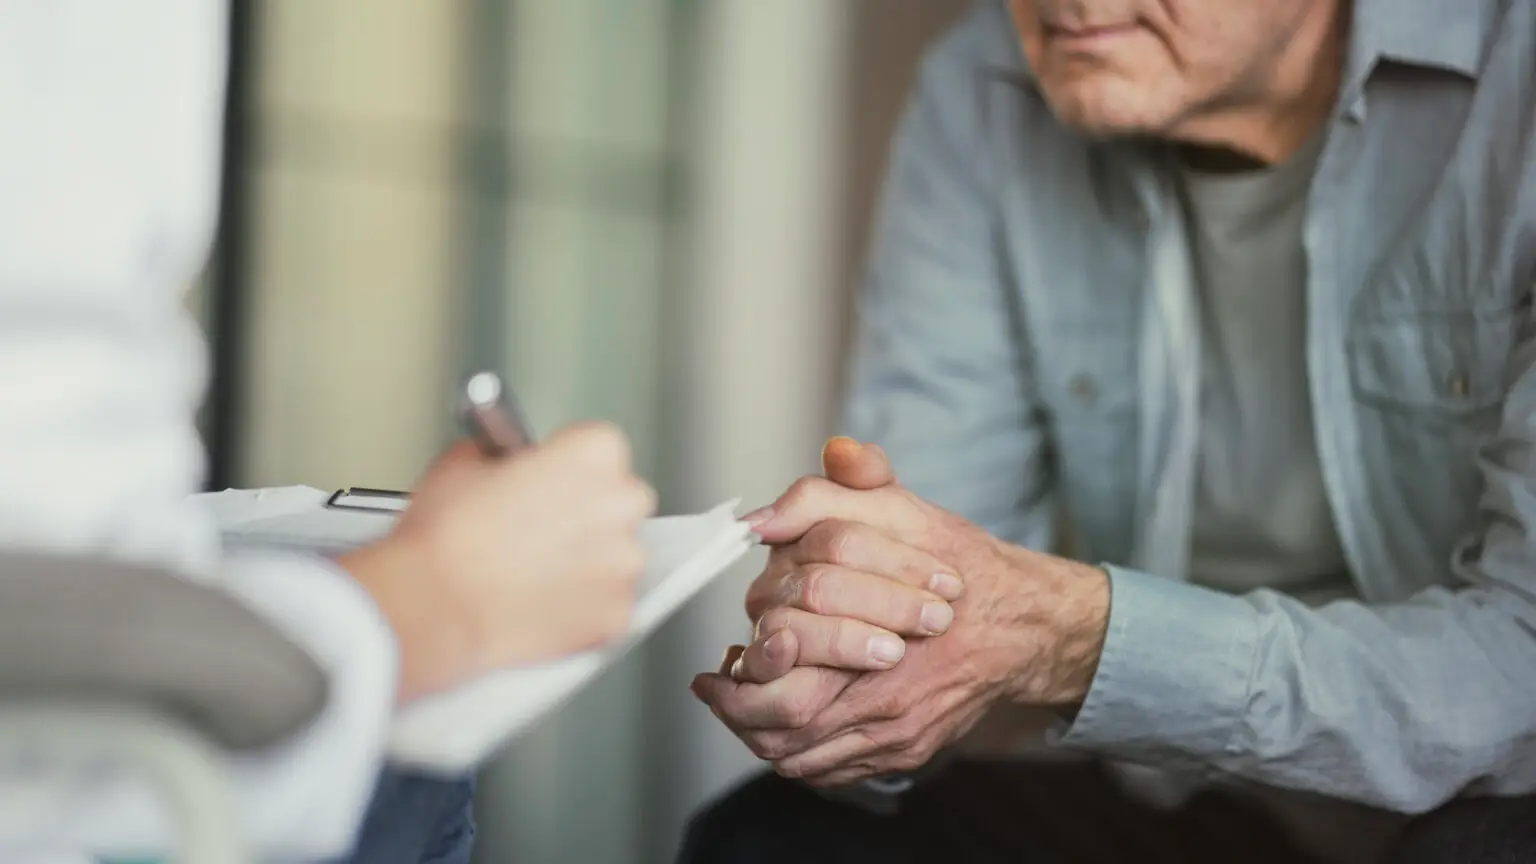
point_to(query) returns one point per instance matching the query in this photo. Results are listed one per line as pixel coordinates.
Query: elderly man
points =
(1241, 293)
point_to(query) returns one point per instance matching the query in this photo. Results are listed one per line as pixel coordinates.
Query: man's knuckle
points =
(825, 542)
(886, 736)
(816, 537)
(816, 586)
(765, 592)
(909, 733)
(773, 621)
(798, 709)
(789, 770)
(877, 736)
(760, 746)
(753, 606)
(888, 706)
(771, 747)
(908, 609)
(841, 541)
(802, 492)
(802, 486)
(787, 590)
(910, 758)
(842, 632)
(799, 716)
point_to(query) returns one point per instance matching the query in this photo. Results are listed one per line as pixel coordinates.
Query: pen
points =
(489, 413)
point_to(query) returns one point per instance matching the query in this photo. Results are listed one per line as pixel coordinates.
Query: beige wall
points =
(354, 190)
(889, 38)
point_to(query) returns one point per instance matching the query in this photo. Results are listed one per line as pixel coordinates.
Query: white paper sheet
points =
(452, 732)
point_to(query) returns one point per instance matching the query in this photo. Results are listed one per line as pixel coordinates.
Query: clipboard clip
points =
(368, 500)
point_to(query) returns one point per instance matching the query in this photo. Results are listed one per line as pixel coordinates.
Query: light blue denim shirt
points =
(1027, 351)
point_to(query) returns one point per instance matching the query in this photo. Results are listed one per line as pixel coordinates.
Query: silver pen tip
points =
(483, 388)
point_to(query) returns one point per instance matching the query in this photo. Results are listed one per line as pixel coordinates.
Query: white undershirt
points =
(1261, 515)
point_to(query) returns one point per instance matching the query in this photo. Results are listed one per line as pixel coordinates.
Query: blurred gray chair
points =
(108, 663)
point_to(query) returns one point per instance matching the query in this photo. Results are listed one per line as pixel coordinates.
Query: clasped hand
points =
(885, 627)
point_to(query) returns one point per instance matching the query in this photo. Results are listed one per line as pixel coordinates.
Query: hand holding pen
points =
(524, 557)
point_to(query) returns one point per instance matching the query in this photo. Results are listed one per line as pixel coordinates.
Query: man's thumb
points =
(856, 466)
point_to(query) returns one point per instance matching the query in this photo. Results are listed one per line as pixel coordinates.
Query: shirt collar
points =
(1451, 35)
(1002, 58)
(1443, 34)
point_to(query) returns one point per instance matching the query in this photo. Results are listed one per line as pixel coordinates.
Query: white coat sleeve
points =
(110, 121)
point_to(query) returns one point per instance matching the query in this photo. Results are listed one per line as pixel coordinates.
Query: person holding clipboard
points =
(110, 142)
(535, 548)
(568, 553)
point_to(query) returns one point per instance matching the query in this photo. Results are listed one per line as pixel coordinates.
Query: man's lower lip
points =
(1090, 38)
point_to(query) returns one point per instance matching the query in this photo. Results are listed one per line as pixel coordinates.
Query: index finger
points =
(812, 500)
(861, 547)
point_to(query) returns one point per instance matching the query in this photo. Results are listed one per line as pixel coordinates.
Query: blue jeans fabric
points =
(411, 820)
(417, 820)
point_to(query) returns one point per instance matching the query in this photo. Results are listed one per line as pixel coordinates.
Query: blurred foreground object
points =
(111, 666)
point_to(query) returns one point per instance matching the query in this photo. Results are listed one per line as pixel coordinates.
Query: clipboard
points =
(450, 733)
(368, 500)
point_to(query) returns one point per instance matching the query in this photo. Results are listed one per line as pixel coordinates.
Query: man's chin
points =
(1106, 111)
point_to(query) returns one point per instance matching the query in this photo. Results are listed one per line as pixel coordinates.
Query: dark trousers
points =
(417, 820)
(1029, 813)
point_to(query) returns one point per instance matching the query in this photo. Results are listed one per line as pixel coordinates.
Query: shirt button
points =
(1084, 388)
(1459, 385)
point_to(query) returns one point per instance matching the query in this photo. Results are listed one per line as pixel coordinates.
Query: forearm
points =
(1057, 619)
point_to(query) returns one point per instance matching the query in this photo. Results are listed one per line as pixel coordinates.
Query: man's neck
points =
(1292, 102)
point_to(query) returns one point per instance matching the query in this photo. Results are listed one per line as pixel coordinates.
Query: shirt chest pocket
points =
(1429, 389)
(1435, 368)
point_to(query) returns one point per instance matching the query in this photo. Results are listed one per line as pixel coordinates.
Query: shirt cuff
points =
(304, 799)
(1173, 680)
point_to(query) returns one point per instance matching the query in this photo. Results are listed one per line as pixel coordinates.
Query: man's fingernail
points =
(773, 648)
(838, 439)
(694, 689)
(936, 617)
(946, 585)
(757, 518)
(736, 669)
(886, 650)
